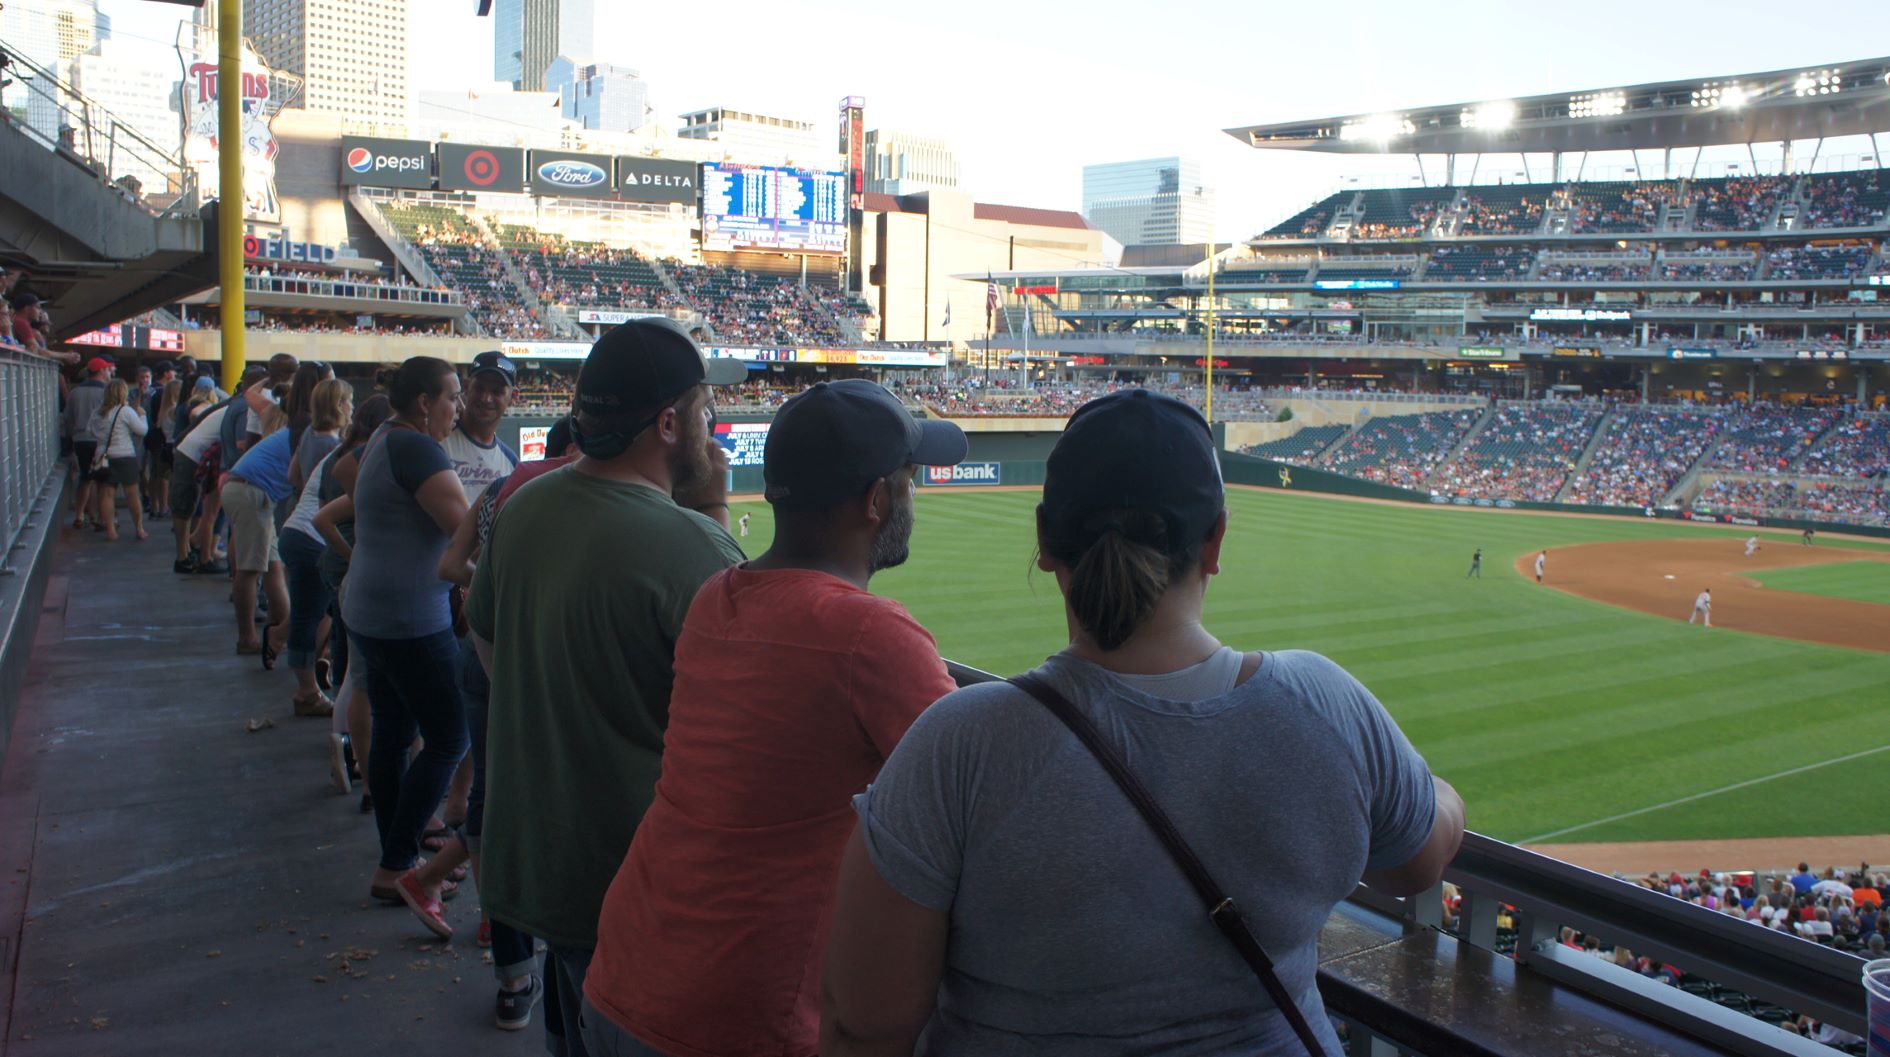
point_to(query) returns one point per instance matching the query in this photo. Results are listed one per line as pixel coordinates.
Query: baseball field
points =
(1598, 716)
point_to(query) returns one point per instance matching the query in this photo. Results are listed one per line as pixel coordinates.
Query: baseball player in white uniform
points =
(744, 524)
(1542, 562)
(1703, 608)
(1752, 546)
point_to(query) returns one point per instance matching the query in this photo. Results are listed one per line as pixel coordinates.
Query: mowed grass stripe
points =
(1545, 709)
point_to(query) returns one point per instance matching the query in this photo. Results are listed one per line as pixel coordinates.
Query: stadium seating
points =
(748, 308)
(1479, 263)
(1765, 438)
(1525, 453)
(1695, 271)
(1263, 275)
(1309, 222)
(454, 248)
(1601, 272)
(1859, 447)
(1846, 502)
(1396, 212)
(1350, 268)
(1511, 209)
(1400, 450)
(1739, 203)
(1302, 447)
(1642, 454)
(1618, 208)
(584, 273)
(1819, 262)
(1844, 200)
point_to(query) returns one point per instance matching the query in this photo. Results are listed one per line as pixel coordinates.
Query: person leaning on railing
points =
(1000, 894)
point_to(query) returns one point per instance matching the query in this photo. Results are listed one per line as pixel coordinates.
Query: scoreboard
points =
(762, 207)
(745, 441)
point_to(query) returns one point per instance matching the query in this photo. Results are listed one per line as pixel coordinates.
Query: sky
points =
(1029, 93)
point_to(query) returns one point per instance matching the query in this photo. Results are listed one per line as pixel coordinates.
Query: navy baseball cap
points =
(495, 362)
(831, 442)
(1135, 450)
(644, 364)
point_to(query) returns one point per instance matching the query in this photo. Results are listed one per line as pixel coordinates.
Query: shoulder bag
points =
(99, 459)
(1220, 906)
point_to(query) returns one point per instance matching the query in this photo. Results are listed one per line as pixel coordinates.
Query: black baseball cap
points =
(645, 364)
(161, 366)
(831, 442)
(1135, 450)
(496, 362)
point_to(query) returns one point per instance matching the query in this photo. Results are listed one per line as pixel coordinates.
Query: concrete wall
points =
(206, 346)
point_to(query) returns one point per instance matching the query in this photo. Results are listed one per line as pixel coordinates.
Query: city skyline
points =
(1037, 95)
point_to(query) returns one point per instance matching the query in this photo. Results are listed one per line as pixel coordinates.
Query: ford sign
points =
(572, 175)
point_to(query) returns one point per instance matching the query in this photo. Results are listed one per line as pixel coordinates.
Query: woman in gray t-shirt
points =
(1001, 896)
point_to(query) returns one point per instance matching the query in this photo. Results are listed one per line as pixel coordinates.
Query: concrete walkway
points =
(173, 884)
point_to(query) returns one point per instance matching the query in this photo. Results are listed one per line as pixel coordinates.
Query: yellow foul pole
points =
(1210, 335)
(230, 184)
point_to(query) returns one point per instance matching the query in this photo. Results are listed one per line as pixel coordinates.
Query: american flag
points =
(990, 301)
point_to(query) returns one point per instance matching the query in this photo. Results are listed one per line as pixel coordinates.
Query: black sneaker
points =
(212, 568)
(184, 566)
(515, 1007)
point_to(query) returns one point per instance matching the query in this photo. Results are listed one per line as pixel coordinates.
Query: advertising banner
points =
(1582, 352)
(561, 174)
(1481, 352)
(546, 350)
(1692, 354)
(661, 180)
(531, 442)
(613, 316)
(369, 161)
(265, 92)
(467, 167)
(965, 473)
(744, 441)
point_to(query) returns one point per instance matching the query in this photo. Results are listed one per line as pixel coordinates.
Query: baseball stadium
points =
(1572, 445)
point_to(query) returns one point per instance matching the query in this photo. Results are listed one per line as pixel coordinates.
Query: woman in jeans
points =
(159, 477)
(406, 503)
(1001, 895)
(301, 545)
(119, 427)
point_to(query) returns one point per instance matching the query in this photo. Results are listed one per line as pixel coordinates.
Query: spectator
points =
(576, 604)
(1131, 525)
(82, 404)
(258, 481)
(792, 685)
(118, 431)
(300, 545)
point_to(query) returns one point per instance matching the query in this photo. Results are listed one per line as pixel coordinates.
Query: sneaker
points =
(212, 567)
(338, 763)
(184, 567)
(515, 1007)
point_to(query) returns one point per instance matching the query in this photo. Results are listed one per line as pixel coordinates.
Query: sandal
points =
(315, 704)
(269, 653)
(389, 894)
(429, 910)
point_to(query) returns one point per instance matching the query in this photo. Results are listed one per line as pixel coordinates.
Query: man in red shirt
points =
(793, 683)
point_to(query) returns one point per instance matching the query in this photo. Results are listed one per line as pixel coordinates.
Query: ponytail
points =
(1121, 562)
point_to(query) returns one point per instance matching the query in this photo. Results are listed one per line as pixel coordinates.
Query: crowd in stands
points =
(1700, 272)
(1740, 203)
(1400, 450)
(1566, 271)
(1480, 263)
(1619, 208)
(1642, 454)
(747, 308)
(1502, 211)
(458, 253)
(1302, 447)
(1525, 453)
(1818, 262)
(1766, 438)
(1850, 502)
(1857, 447)
(1846, 200)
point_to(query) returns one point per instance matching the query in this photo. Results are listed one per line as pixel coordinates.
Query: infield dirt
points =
(1662, 577)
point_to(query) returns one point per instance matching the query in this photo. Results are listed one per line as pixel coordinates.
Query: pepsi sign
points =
(369, 161)
(558, 174)
(965, 473)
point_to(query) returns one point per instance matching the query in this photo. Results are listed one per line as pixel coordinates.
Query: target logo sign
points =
(482, 168)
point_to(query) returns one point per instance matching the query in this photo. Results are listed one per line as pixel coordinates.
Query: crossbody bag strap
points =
(1221, 909)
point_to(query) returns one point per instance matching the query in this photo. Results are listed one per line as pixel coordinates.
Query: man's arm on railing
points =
(1426, 868)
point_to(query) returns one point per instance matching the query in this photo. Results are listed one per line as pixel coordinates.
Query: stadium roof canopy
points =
(1843, 99)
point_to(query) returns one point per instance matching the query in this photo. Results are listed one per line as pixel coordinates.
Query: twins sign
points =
(556, 174)
(965, 473)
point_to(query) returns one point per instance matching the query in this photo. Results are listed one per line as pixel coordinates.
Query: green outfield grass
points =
(1549, 712)
(1859, 581)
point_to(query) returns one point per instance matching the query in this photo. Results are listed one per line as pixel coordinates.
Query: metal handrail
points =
(29, 443)
(349, 288)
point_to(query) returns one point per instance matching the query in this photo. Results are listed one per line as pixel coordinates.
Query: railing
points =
(352, 289)
(95, 140)
(1544, 895)
(29, 443)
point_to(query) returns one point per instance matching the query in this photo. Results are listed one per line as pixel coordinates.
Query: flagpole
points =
(1210, 334)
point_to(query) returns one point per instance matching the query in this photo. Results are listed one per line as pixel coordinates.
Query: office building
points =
(756, 139)
(1151, 201)
(45, 33)
(528, 35)
(898, 164)
(136, 84)
(597, 95)
(494, 115)
(351, 55)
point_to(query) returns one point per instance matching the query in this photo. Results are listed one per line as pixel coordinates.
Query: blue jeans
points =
(604, 1038)
(564, 1000)
(412, 688)
(308, 595)
(513, 951)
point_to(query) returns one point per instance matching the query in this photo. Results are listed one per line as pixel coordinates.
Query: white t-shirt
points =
(198, 440)
(1705, 601)
(477, 465)
(1541, 560)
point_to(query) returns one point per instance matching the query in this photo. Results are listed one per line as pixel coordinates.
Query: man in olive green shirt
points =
(575, 608)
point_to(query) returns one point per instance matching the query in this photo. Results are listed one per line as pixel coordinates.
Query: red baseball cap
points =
(96, 365)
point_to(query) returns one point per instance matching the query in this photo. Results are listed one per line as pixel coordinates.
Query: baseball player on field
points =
(1542, 562)
(1476, 565)
(1752, 546)
(744, 525)
(1703, 607)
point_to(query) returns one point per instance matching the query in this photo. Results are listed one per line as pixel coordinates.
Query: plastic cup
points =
(1877, 986)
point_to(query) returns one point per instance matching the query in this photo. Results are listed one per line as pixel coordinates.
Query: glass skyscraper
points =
(528, 34)
(1150, 201)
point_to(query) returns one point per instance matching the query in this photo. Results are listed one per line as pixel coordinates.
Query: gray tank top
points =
(394, 587)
